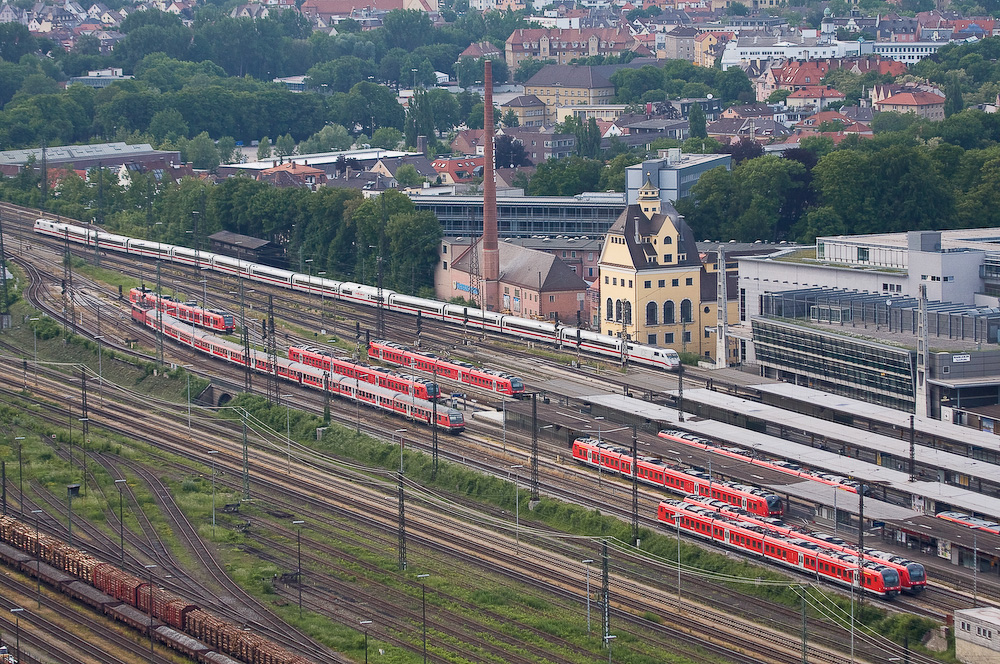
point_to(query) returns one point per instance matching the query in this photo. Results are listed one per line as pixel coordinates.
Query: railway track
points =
(445, 341)
(59, 418)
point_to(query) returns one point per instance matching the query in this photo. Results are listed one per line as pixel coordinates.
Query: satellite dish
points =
(888, 303)
(710, 95)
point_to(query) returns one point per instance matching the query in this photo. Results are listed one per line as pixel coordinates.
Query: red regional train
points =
(133, 601)
(618, 460)
(345, 366)
(380, 398)
(808, 558)
(188, 312)
(690, 439)
(912, 576)
(463, 372)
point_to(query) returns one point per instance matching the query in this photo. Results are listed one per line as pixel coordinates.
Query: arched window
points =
(651, 310)
(618, 310)
(668, 240)
(628, 313)
(610, 310)
(668, 313)
(686, 311)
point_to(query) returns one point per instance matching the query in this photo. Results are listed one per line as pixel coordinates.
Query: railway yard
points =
(378, 537)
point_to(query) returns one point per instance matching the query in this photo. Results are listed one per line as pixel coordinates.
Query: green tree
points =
(226, 146)
(696, 119)
(329, 138)
(953, 97)
(408, 176)
(408, 241)
(387, 138)
(510, 119)
(778, 96)
(284, 146)
(264, 149)
(166, 123)
(528, 68)
(565, 177)
(613, 173)
(202, 153)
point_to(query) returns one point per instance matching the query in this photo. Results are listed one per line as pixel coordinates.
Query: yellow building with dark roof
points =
(655, 288)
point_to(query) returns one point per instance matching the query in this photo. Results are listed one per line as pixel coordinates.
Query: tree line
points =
(332, 230)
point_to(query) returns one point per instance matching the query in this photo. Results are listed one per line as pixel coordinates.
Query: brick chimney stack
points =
(491, 250)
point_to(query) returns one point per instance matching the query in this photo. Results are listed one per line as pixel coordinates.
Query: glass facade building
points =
(525, 216)
(836, 363)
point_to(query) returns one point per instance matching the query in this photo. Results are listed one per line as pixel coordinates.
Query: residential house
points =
(541, 144)
(568, 85)
(640, 130)
(817, 97)
(507, 177)
(678, 44)
(291, 174)
(387, 166)
(455, 170)
(583, 112)
(480, 50)
(763, 130)
(565, 45)
(831, 122)
(529, 109)
(468, 141)
(791, 75)
(708, 46)
(925, 104)
(13, 14)
(757, 110)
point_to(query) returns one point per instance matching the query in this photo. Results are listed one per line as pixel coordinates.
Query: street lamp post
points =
(17, 632)
(517, 508)
(599, 420)
(150, 607)
(83, 448)
(121, 517)
(288, 430)
(100, 368)
(401, 445)
(677, 520)
(187, 370)
(212, 454)
(365, 623)
(588, 562)
(38, 559)
(298, 574)
(423, 609)
(34, 333)
(20, 475)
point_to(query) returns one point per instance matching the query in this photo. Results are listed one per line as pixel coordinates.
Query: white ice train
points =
(571, 338)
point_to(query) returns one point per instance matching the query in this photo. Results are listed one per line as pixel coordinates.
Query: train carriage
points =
(194, 257)
(316, 285)
(650, 470)
(270, 275)
(839, 568)
(157, 250)
(912, 576)
(409, 304)
(487, 379)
